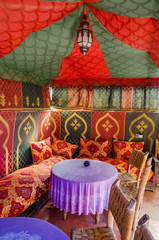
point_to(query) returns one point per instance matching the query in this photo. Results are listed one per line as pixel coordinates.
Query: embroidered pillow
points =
(40, 150)
(63, 148)
(122, 149)
(93, 149)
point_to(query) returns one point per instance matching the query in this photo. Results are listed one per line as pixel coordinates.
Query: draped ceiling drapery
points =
(38, 43)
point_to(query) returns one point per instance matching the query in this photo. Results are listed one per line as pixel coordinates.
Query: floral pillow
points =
(63, 148)
(122, 149)
(40, 150)
(93, 149)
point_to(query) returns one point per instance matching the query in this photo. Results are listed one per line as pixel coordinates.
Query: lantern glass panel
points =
(84, 36)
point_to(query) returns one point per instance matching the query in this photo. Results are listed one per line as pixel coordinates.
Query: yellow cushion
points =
(123, 149)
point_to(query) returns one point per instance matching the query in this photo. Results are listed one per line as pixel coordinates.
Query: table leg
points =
(64, 215)
(97, 217)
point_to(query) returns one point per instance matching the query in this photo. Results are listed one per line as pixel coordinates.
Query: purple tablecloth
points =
(76, 188)
(20, 228)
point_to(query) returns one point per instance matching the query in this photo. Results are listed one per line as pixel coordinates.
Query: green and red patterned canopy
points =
(38, 42)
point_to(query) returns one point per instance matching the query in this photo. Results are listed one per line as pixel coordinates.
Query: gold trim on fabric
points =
(113, 119)
(21, 109)
(53, 120)
(149, 136)
(5, 143)
(19, 138)
(68, 119)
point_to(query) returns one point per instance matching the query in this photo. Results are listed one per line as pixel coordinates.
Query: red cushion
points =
(40, 150)
(123, 149)
(63, 148)
(93, 149)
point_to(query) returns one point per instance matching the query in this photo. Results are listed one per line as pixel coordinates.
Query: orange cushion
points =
(63, 148)
(93, 149)
(40, 150)
(122, 149)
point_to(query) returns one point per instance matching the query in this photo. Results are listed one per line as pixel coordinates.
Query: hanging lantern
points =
(84, 36)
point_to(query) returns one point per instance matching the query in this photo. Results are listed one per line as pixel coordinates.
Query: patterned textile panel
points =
(145, 124)
(49, 125)
(145, 98)
(32, 96)
(7, 122)
(46, 97)
(22, 188)
(80, 98)
(10, 94)
(126, 99)
(107, 126)
(107, 97)
(75, 125)
(59, 97)
(26, 129)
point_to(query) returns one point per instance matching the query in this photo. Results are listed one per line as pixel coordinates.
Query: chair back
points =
(141, 190)
(156, 148)
(142, 232)
(121, 210)
(137, 159)
(145, 175)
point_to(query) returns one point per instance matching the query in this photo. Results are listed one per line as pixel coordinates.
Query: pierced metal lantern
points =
(84, 36)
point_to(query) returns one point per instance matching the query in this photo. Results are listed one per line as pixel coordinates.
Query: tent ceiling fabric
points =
(38, 43)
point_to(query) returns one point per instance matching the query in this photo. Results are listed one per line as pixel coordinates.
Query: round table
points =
(76, 188)
(18, 228)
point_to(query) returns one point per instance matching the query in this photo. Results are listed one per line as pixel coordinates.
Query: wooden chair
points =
(137, 159)
(142, 232)
(156, 148)
(120, 209)
(157, 156)
(131, 191)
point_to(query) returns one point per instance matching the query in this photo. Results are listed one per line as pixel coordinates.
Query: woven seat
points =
(142, 232)
(137, 159)
(97, 233)
(120, 209)
(132, 191)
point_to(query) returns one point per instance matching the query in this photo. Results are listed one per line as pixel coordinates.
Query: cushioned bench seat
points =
(120, 164)
(121, 152)
(22, 188)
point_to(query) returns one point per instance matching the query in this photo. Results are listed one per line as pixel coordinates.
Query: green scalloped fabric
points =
(37, 59)
(122, 60)
(130, 8)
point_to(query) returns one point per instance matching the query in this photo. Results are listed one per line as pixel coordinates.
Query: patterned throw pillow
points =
(122, 149)
(63, 148)
(40, 150)
(93, 149)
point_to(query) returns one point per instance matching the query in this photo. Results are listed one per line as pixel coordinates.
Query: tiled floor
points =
(54, 215)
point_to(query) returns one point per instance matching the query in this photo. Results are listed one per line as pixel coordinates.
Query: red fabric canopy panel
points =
(18, 18)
